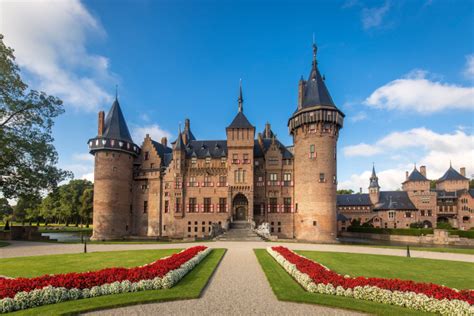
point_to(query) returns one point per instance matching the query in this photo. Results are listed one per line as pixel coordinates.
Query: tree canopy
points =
(27, 155)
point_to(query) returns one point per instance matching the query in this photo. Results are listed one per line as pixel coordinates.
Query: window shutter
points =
(212, 208)
(187, 208)
(218, 208)
(212, 184)
(202, 184)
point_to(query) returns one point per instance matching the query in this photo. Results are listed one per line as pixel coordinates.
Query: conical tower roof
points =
(115, 126)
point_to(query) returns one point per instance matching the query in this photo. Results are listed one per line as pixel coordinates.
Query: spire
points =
(116, 92)
(374, 180)
(179, 145)
(115, 126)
(315, 51)
(241, 98)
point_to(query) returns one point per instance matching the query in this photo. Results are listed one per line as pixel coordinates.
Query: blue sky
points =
(401, 71)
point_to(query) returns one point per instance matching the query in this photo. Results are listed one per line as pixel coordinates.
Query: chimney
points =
(101, 124)
(360, 190)
(185, 138)
(267, 130)
(164, 141)
(423, 170)
(186, 125)
(463, 171)
(300, 93)
(406, 175)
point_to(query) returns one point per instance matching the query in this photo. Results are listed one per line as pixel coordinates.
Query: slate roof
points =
(452, 174)
(341, 217)
(259, 152)
(471, 192)
(353, 200)
(394, 200)
(315, 90)
(179, 143)
(206, 148)
(415, 175)
(163, 152)
(240, 121)
(115, 126)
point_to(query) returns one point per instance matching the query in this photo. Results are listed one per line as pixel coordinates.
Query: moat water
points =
(68, 236)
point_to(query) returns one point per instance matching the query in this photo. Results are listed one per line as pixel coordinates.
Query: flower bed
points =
(22, 293)
(427, 297)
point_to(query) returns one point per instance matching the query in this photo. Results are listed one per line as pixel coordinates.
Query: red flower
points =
(159, 268)
(320, 274)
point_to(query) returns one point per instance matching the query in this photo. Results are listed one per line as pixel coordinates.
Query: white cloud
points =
(154, 130)
(83, 157)
(49, 39)
(360, 116)
(421, 145)
(417, 93)
(469, 69)
(373, 17)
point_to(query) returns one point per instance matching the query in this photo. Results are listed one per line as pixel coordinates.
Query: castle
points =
(450, 201)
(182, 190)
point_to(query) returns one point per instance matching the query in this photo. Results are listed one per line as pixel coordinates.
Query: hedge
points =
(407, 231)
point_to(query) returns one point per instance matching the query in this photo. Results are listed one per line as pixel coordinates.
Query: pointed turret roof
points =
(115, 126)
(179, 144)
(315, 91)
(240, 120)
(415, 175)
(374, 180)
(452, 174)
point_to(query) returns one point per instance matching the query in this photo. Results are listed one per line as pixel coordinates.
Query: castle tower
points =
(374, 188)
(315, 129)
(240, 142)
(114, 153)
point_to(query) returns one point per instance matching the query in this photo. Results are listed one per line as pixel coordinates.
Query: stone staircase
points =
(239, 231)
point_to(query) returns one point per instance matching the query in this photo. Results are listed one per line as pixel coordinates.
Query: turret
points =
(114, 152)
(240, 143)
(374, 188)
(315, 129)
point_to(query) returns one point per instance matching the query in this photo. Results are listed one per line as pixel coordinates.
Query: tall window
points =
(192, 182)
(192, 205)
(208, 161)
(246, 158)
(222, 181)
(321, 177)
(391, 214)
(207, 205)
(207, 181)
(235, 158)
(223, 161)
(312, 152)
(287, 179)
(193, 162)
(167, 206)
(287, 205)
(273, 178)
(222, 205)
(178, 205)
(147, 155)
(145, 206)
(178, 183)
(273, 205)
(239, 176)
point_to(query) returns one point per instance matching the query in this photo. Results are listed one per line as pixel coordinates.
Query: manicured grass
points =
(454, 274)
(4, 243)
(189, 287)
(287, 289)
(467, 251)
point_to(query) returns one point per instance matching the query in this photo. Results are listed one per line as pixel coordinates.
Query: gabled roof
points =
(240, 121)
(164, 152)
(179, 143)
(259, 152)
(415, 175)
(353, 199)
(115, 126)
(207, 148)
(394, 200)
(452, 174)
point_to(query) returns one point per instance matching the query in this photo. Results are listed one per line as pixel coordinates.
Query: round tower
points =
(315, 129)
(114, 153)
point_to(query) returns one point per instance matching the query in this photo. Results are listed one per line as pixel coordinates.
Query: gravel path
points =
(239, 287)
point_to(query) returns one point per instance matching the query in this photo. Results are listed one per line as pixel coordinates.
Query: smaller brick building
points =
(451, 201)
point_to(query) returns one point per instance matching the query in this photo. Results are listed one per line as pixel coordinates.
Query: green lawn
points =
(287, 289)
(450, 273)
(467, 251)
(189, 287)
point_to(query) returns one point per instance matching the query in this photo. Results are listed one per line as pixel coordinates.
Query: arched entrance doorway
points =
(240, 207)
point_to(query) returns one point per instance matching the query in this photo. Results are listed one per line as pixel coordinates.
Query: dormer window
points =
(208, 161)
(193, 161)
(223, 161)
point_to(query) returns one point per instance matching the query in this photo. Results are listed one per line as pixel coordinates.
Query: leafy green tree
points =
(471, 184)
(70, 199)
(25, 207)
(6, 212)
(87, 200)
(343, 191)
(50, 207)
(27, 156)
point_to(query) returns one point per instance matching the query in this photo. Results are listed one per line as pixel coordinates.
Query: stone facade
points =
(183, 190)
(450, 201)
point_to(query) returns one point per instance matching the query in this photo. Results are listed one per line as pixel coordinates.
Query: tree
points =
(25, 207)
(6, 212)
(471, 184)
(87, 200)
(49, 208)
(343, 191)
(70, 199)
(27, 156)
